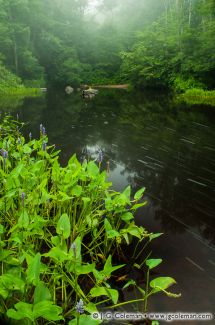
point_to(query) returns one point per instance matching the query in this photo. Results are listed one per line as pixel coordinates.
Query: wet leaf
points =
(108, 268)
(22, 310)
(23, 221)
(85, 269)
(161, 283)
(139, 194)
(33, 271)
(41, 293)
(92, 169)
(47, 310)
(103, 291)
(153, 236)
(127, 216)
(76, 190)
(151, 263)
(63, 226)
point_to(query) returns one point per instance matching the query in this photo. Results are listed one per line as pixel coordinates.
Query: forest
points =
(157, 44)
(107, 161)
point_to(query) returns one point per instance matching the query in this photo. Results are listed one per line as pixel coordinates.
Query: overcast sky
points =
(93, 4)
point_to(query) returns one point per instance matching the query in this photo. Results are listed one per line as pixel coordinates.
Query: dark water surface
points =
(150, 140)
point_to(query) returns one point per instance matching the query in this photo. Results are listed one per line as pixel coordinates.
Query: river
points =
(150, 140)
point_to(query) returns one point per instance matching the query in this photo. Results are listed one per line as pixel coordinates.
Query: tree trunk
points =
(190, 13)
(15, 55)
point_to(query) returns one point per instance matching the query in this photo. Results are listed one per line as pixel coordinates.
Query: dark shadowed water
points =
(150, 140)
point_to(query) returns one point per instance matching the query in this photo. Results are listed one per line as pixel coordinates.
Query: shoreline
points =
(123, 86)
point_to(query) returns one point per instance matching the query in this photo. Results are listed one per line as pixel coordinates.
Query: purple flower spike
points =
(43, 131)
(44, 146)
(80, 307)
(73, 247)
(4, 153)
(41, 127)
(23, 197)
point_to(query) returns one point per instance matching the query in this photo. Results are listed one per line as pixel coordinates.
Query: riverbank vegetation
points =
(64, 235)
(199, 96)
(11, 85)
(162, 44)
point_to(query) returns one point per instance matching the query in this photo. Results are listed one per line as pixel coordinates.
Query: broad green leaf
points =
(85, 320)
(77, 190)
(73, 162)
(127, 216)
(112, 234)
(139, 205)
(108, 268)
(57, 254)
(10, 282)
(103, 291)
(134, 231)
(63, 226)
(4, 254)
(151, 263)
(23, 221)
(41, 293)
(107, 225)
(91, 307)
(22, 310)
(108, 204)
(85, 269)
(161, 283)
(38, 167)
(139, 194)
(13, 261)
(153, 236)
(56, 240)
(127, 192)
(26, 149)
(92, 169)
(33, 271)
(126, 238)
(47, 310)
(99, 276)
(63, 197)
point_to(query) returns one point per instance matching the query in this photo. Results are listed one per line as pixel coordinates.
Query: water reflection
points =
(149, 140)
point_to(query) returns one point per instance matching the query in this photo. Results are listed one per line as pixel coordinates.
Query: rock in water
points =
(69, 90)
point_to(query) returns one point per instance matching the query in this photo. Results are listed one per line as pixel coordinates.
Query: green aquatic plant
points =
(62, 230)
(198, 96)
(19, 91)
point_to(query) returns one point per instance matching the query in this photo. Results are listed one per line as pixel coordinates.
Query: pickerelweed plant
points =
(59, 229)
